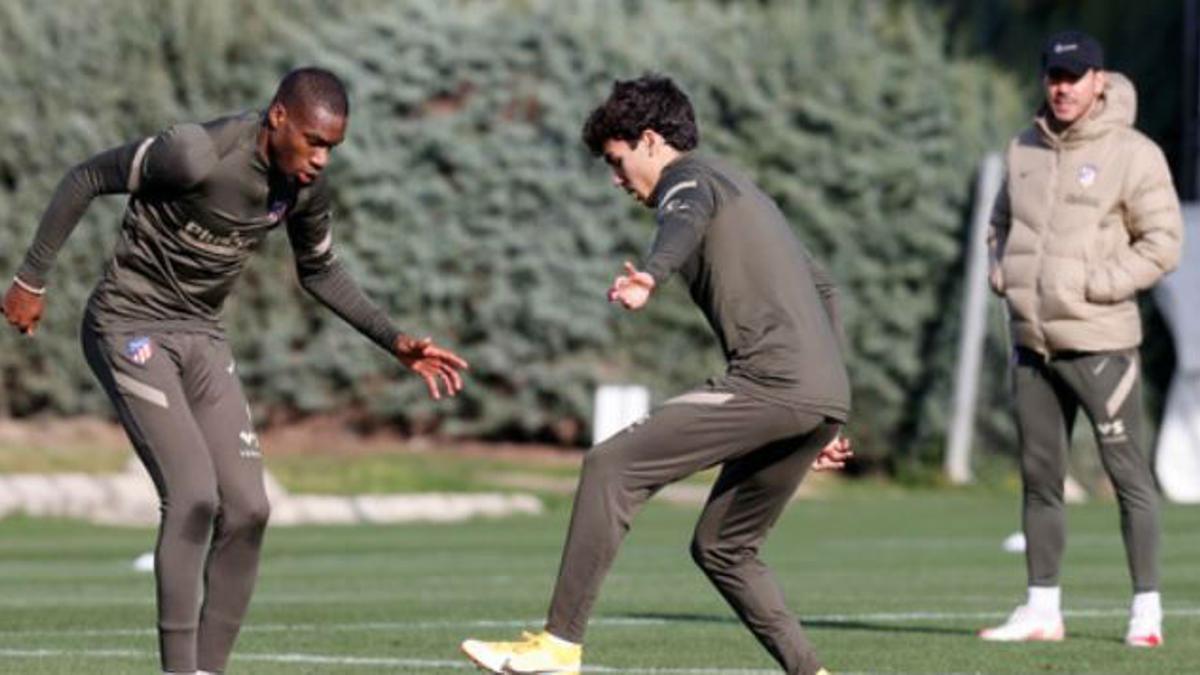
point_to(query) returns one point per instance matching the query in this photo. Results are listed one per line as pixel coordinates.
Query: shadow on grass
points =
(847, 624)
(813, 624)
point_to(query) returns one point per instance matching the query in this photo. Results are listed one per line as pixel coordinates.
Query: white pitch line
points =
(954, 616)
(99, 653)
(267, 658)
(364, 661)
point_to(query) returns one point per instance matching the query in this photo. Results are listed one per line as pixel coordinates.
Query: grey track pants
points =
(1048, 396)
(179, 400)
(765, 449)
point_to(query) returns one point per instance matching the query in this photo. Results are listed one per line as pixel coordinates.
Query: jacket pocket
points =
(1063, 288)
(1104, 287)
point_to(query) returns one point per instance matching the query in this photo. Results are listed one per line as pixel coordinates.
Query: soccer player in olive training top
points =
(776, 412)
(202, 198)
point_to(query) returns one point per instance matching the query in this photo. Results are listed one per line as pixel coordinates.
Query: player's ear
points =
(276, 115)
(651, 138)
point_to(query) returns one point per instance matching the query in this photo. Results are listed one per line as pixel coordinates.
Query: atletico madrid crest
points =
(278, 211)
(139, 349)
(1087, 175)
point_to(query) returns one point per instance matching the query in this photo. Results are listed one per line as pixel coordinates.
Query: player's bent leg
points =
(231, 572)
(230, 575)
(607, 497)
(747, 499)
(684, 435)
(540, 653)
(143, 382)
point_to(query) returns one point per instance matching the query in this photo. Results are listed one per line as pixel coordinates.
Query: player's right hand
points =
(834, 455)
(23, 308)
(437, 366)
(632, 289)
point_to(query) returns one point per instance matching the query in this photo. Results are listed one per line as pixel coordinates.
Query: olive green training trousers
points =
(1049, 394)
(764, 448)
(183, 408)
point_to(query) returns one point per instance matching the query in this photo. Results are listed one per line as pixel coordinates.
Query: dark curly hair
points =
(648, 102)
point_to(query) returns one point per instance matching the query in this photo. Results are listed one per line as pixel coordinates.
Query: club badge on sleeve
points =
(139, 349)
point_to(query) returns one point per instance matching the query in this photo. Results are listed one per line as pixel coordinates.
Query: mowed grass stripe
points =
(896, 585)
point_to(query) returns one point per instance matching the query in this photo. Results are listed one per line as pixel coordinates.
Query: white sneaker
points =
(1144, 632)
(1027, 625)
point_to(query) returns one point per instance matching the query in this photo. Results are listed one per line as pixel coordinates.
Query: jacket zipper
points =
(1052, 188)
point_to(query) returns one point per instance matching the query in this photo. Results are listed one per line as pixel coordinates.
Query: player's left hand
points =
(834, 455)
(437, 366)
(23, 308)
(631, 289)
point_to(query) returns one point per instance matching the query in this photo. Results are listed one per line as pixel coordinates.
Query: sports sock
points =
(1045, 599)
(1147, 605)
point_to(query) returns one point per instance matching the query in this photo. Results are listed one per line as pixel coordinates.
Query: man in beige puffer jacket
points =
(1088, 216)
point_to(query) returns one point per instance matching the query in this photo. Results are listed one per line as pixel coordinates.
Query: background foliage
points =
(469, 209)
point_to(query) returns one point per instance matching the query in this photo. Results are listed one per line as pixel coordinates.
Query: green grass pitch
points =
(886, 583)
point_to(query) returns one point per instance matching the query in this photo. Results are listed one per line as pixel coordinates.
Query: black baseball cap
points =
(1073, 51)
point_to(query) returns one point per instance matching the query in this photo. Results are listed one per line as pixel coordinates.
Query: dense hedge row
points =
(468, 207)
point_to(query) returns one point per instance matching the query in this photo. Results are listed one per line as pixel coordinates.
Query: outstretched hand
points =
(834, 455)
(631, 289)
(437, 366)
(23, 308)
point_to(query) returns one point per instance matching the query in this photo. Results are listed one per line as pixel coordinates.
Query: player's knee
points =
(249, 516)
(699, 553)
(710, 555)
(601, 464)
(1041, 490)
(1135, 490)
(195, 512)
(1041, 477)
